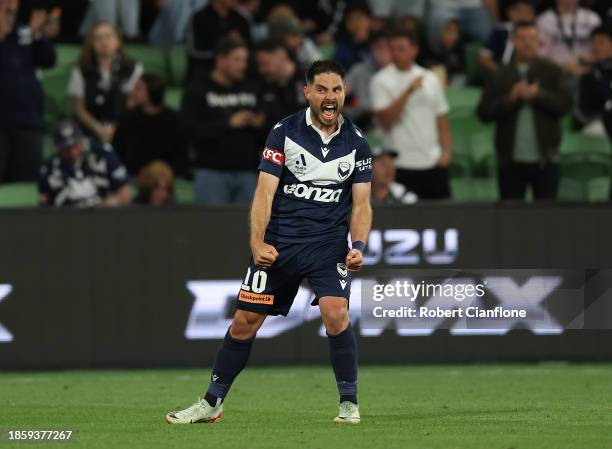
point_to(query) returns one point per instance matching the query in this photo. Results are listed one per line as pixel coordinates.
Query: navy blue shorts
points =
(271, 290)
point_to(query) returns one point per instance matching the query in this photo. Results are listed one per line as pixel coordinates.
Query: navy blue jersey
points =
(314, 195)
(86, 183)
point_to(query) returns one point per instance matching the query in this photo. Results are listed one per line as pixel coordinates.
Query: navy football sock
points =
(232, 357)
(343, 355)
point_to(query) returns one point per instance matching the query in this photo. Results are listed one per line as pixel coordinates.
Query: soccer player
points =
(313, 187)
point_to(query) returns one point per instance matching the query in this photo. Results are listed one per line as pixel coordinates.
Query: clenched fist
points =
(264, 255)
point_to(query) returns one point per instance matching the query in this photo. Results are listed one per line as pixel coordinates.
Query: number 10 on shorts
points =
(258, 282)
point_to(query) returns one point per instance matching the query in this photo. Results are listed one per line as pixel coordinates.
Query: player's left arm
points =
(361, 221)
(361, 212)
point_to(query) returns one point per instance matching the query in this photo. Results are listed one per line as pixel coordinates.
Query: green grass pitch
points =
(445, 406)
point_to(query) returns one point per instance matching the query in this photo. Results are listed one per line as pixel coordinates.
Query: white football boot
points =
(349, 413)
(200, 412)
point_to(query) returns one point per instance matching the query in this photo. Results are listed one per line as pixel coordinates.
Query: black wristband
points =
(358, 244)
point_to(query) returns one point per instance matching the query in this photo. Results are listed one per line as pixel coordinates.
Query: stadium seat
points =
(473, 70)
(571, 190)
(576, 142)
(173, 98)
(599, 189)
(474, 189)
(461, 189)
(461, 165)
(484, 189)
(584, 167)
(152, 58)
(177, 60)
(486, 166)
(463, 97)
(18, 195)
(184, 192)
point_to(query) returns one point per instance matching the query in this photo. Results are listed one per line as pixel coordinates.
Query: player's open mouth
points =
(328, 111)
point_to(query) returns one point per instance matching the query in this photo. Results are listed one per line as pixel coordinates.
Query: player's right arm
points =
(264, 255)
(270, 171)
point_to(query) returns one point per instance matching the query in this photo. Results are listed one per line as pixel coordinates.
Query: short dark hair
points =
(400, 33)
(324, 66)
(523, 24)
(513, 3)
(228, 44)
(156, 87)
(602, 30)
(270, 46)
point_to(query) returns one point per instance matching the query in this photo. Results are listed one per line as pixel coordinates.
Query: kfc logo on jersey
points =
(274, 156)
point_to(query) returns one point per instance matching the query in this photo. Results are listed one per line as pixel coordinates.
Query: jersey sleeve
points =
(273, 156)
(363, 161)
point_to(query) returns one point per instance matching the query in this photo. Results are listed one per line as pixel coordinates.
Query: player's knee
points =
(335, 317)
(245, 324)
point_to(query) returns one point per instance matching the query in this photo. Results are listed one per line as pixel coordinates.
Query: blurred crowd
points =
(542, 60)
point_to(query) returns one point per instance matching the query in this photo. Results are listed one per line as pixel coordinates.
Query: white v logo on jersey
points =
(324, 150)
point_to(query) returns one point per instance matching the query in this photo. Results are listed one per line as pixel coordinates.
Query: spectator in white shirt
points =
(410, 106)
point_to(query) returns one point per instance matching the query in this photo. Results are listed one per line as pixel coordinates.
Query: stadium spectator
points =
(498, 49)
(22, 50)
(595, 91)
(565, 32)
(384, 188)
(101, 81)
(526, 99)
(352, 43)
(122, 14)
(410, 105)
(476, 18)
(383, 10)
(206, 27)
(81, 173)
(604, 9)
(155, 184)
(323, 18)
(449, 57)
(289, 32)
(148, 130)
(282, 92)
(170, 25)
(358, 104)
(249, 9)
(221, 119)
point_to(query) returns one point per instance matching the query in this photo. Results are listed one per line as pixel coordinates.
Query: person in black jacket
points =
(526, 99)
(206, 27)
(222, 121)
(148, 130)
(283, 87)
(23, 49)
(595, 91)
